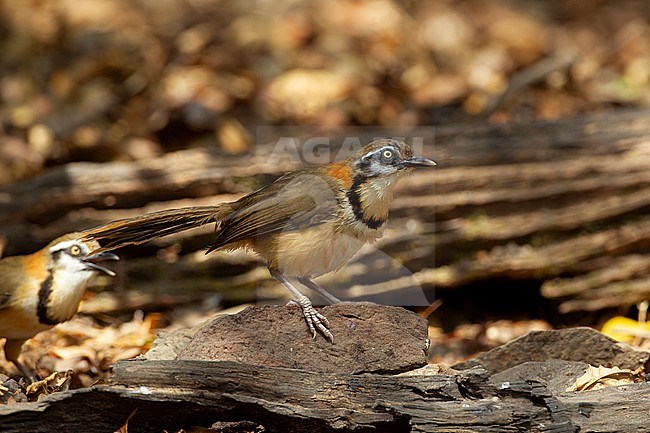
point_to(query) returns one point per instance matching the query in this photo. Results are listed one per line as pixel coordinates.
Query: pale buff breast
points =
(66, 295)
(17, 323)
(312, 252)
(18, 318)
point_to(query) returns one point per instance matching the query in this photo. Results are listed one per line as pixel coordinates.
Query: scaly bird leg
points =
(28, 374)
(307, 282)
(12, 352)
(315, 320)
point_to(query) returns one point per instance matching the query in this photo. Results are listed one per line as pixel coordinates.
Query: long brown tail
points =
(143, 228)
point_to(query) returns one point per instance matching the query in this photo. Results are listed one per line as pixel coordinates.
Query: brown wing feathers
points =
(294, 201)
(298, 200)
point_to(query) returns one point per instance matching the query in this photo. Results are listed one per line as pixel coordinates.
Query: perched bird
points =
(43, 289)
(307, 223)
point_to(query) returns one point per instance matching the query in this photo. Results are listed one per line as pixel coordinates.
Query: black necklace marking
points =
(354, 197)
(43, 297)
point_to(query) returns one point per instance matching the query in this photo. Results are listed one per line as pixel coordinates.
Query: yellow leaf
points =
(625, 329)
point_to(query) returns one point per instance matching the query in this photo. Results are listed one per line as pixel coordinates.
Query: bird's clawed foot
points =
(29, 375)
(315, 320)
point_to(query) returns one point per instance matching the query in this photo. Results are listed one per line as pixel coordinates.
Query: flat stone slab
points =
(368, 338)
(573, 344)
(556, 374)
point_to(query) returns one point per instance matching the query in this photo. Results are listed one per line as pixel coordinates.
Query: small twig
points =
(529, 75)
(642, 319)
(430, 309)
(125, 426)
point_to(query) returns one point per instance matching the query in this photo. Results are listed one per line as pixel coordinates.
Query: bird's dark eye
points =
(387, 155)
(75, 250)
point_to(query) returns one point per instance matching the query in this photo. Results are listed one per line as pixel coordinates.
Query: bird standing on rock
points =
(43, 289)
(306, 224)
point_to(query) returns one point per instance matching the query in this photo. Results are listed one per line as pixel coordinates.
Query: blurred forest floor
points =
(115, 81)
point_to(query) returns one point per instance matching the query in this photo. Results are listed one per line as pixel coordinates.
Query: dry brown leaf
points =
(78, 365)
(502, 331)
(72, 352)
(602, 377)
(55, 382)
(111, 355)
(233, 137)
(302, 94)
(441, 89)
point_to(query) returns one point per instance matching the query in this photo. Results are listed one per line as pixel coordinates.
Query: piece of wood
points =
(169, 395)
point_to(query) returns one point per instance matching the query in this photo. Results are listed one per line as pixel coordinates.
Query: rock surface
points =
(368, 338)
(574, 344)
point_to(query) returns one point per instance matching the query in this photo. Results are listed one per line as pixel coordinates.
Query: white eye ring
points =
(387, 154)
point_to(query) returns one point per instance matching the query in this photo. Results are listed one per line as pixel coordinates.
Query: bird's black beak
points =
(418, 161)
(92, 260)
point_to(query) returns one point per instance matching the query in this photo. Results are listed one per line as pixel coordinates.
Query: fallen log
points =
(554, 202)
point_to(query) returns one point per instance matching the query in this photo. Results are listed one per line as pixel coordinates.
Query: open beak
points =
(92, 260)
(418, 161)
